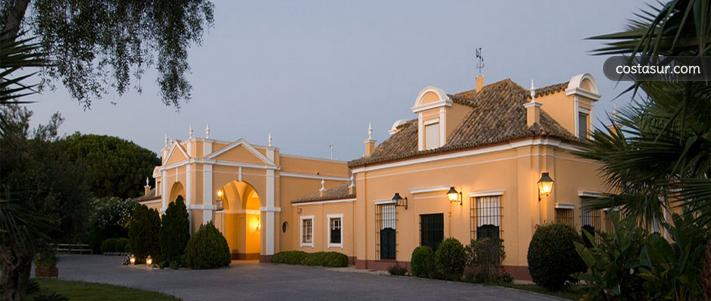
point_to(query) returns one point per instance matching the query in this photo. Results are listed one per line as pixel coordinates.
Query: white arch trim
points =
(444, 99)
(575, 86)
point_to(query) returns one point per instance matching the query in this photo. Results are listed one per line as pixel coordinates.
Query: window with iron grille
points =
(590, 219)
(431, 230)
(486, 217)
(307, 231)
(335, 230)
(564, 216)
(385, 221)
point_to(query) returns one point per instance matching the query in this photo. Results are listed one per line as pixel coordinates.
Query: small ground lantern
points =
(455, 196)
(132, 259)
(149, 260)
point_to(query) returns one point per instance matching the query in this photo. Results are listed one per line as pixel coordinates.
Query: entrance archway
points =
(240, 220)
(177, 190)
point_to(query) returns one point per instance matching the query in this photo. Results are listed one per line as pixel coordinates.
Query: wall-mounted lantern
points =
(399, 201)
(219, 204)
(455, 196)
(545, 185)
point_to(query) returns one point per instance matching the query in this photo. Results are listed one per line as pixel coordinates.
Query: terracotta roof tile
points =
(498, 116)
(149, 197)
(335, 193)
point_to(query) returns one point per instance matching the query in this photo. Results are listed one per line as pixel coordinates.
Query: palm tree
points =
(21, 231)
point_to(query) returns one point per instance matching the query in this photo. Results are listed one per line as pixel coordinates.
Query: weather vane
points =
(479, 60)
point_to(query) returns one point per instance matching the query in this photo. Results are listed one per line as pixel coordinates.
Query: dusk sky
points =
(314, 73)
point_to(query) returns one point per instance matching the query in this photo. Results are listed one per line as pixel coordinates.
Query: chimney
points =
(479, 82)
(533, 109)
(147, 188)
(369, 143)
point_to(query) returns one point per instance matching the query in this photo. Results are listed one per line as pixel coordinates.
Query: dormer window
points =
(431, 109)
(432, 134)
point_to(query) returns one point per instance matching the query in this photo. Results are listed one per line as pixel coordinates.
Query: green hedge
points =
(114, 245)
(552, 258)
(207, 249)
(422, 262)
(325, 259)
(450, 259)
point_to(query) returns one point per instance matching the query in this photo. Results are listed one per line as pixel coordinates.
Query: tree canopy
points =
(104, 46)
(114, 167)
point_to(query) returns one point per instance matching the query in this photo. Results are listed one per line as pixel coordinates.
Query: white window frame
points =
(328, 230)
(301, 230)
(438, 142)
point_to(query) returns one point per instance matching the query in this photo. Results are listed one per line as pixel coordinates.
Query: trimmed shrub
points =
(552, 258)
(422, 261)
(207, 249)
(108, 245)
(484, 258)
(122, 245)
(50, 297)
(143, 233)
(397, 270)
(450, 259)
(289, 257)
(325, 259)
(174, 232)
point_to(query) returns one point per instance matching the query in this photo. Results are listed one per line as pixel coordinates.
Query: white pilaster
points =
(270, 209)
(442, 126)
(420, 132)
(207, 193)
(163, 190)
(188, 185)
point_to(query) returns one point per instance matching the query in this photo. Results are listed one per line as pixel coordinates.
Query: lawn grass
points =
(571, 293)
(84, 291)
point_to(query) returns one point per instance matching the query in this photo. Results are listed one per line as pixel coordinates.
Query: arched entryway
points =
(177, 190)
(240, 220)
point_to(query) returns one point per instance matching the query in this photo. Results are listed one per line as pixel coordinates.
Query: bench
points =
(73, 248)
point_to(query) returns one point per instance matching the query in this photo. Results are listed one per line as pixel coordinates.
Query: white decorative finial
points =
(269, 140)
(323, 185)
(207, 131)
(146, 181)
(533, 92)
(352, 184)
(370, 131)
(165, 141)
(190, 131)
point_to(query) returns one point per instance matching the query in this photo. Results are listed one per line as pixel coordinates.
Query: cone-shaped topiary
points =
(174, 233)
(207, 249)
(552, 258)
(143, 233)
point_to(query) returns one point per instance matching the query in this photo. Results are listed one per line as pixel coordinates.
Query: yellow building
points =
(467, 166)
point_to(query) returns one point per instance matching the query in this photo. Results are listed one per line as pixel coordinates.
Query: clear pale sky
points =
(314, 73)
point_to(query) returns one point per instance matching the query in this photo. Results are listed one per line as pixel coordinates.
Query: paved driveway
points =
(254, 281)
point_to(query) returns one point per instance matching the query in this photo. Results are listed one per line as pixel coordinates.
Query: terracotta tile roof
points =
(335, 193)
(149, 197)
(498, 116)
(549, 90)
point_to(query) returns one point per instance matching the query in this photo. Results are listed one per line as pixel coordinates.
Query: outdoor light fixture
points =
(455, 196)
(132, 259)
(220, 201)
(149, 260)
(399, 201)
(545, 184)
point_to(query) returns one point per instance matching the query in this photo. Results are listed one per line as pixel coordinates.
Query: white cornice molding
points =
(483, 193)
(220, 163)
(467, 153)
(428, 189)
(564, 205)
(433, 105)
(246, 145)
(324, 202)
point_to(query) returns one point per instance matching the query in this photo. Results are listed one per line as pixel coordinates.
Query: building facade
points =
(468, 166)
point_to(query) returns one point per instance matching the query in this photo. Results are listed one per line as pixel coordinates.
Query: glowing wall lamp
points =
(399, 201)
(455, 196)
(219, 205)
(545, 185)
